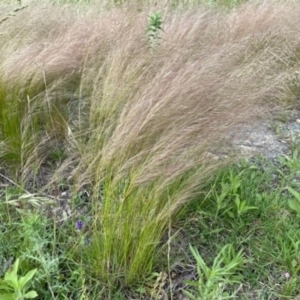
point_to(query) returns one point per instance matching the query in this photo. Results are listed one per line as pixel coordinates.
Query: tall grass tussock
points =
(140, 126)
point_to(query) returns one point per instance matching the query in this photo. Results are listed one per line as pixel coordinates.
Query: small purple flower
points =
(79, 225)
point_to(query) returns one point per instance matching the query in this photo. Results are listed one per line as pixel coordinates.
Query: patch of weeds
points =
(294, 204)
(14, 287)
(212, 281)
(267, 232)
(27, 233)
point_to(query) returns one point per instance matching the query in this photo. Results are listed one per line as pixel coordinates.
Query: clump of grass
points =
(145, 164)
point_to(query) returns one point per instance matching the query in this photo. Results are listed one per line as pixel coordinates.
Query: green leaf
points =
(15, 267)
(190, 295)
(200, 262)
(5, 288)
(12, 280)
(11, 277)
(243, 205)
(251, 207)
(25, 279)
(246, 208)
(294, 205)
(7, 297)
(230, 214)
(31, 295)
(191, 283)
(295, 193)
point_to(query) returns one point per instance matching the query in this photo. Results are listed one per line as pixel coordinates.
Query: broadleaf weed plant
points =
(228, 199)
(154, 28)
(294, 204)
(13, 287)
(213, 281)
